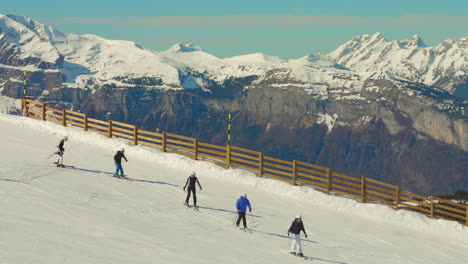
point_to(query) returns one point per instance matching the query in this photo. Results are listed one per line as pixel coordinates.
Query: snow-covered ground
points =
(83, 215)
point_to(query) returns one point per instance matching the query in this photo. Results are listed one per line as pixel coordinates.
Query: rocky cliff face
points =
(373, 123)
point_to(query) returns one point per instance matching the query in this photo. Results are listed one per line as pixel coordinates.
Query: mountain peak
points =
(415, 41)
(181, 47)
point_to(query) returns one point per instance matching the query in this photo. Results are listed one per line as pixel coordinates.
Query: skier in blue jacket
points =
(241, 205)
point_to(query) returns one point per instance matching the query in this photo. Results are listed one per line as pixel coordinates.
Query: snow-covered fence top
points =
(297, 172)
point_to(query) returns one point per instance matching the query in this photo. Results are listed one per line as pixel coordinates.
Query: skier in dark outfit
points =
(296, 227)
(241, 205)
(61, 151)
(118, 163)
(191, 180)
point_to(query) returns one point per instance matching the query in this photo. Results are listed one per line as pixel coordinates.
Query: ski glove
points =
(250, 210)
(306, 235)
(288, 233)
(184, 189)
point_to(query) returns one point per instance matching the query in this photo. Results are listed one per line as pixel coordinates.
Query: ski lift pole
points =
(24, 84)
(228, 147)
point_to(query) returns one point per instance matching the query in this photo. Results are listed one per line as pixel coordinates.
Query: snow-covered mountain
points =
(87, 61)
(444, 66)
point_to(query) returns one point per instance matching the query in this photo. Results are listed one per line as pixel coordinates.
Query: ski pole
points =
(235, 217)
(253, 220)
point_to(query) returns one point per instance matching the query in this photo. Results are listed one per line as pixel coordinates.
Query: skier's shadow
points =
(224, 210)
(326, 260)
(93, 171)
(9, 180)
(302, 239)
(282, 236)
(156, 182)
(109, 173)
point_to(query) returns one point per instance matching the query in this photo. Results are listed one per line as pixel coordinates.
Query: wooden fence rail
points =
(320, 178)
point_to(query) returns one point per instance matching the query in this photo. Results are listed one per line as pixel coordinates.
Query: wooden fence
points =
(363, 189)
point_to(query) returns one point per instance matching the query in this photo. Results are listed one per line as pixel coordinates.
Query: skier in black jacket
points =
(191, 180)
(61, 151)
(118, 163)
(296, 227)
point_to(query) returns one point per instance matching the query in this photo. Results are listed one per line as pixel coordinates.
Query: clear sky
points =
(288, 29)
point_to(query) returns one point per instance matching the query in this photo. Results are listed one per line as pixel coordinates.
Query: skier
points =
(296, 227)
(118, 163)
(60, 152)
(191, 180)
(241, 205)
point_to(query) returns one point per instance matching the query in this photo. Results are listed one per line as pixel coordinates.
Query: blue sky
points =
(288, 29)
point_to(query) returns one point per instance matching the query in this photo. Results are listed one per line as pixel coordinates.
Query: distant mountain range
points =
(444, 66)
(394, 111)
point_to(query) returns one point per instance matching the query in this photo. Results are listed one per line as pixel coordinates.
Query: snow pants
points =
(60, 153)
(296, 241)
(241, 216)
(194, 191)
(118, 167)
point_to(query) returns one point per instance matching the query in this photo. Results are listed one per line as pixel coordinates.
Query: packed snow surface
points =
(84, 215)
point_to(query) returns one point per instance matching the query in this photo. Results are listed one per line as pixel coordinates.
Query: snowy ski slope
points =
(83, 215)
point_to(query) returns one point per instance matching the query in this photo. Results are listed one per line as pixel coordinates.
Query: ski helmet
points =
(122, 150)
(193, 173)
(244, 195)
(65, 138)
(298, 217)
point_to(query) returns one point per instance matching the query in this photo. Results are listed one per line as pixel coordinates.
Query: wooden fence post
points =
(109, 132)
(260, 164)
(466, 216)
(64, 118)
(363, 189)
(24, 107)
(43, 112)
(328, 181)
(195, 149)
(164, 142)
(135, 135)
(432, 208)
(397, 198)
(294, 173)
(85, 122)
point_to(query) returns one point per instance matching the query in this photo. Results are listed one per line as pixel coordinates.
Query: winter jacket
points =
(60, 146)
(191, 183)
(242, 205)
(297, 227)
(118, 157)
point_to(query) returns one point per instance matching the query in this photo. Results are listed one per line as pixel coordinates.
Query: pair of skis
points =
(195, 208)
(124, 177)
(64, 166)
(247, 230)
